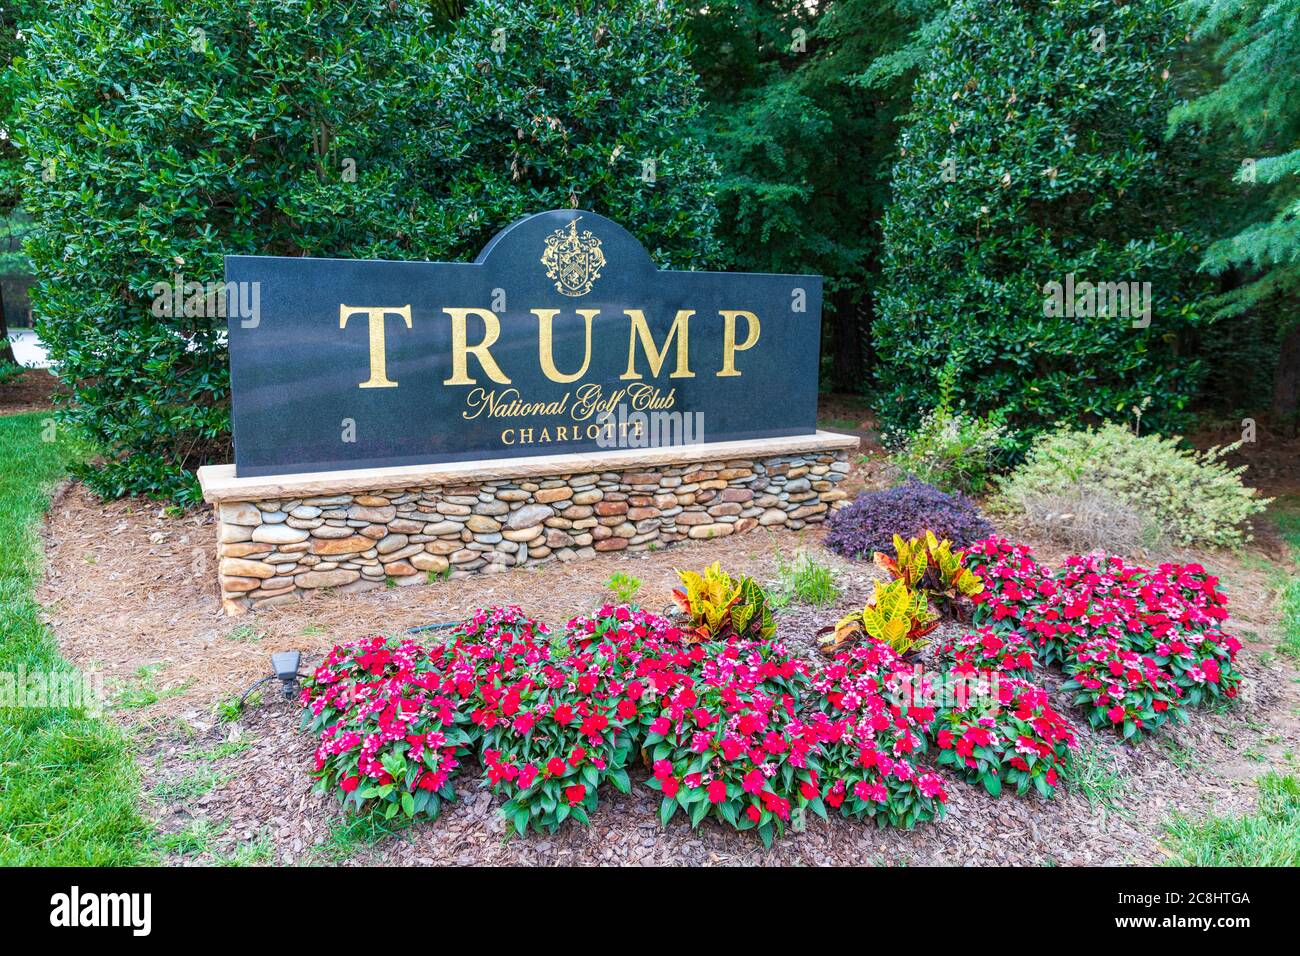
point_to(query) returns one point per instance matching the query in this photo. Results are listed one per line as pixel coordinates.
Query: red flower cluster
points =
(1014, 582)
(390, 738)
(553, 722)
(1007, 732)
(1170, 618)
(871, 731)
(727, 740)
(1122, 688)
(1009, 652)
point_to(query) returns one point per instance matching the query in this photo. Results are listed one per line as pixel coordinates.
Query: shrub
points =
(1013, 174)
(951, 450)
(1083, 518)
(720, 607)
(1193, 497)
(869, 739)
(160, 136)
(869, 524)
(390, 734)
(216, 115)
(1007, 732)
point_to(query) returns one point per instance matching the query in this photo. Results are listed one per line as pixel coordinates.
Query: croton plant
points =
(720, 607)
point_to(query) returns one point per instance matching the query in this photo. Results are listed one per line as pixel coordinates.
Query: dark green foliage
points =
(1254, 113)
(1058, 165)
(540, 106)
(803, 101)
(160, 136)
(172, 133)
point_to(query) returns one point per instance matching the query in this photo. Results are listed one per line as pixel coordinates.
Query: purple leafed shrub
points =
(870, 523)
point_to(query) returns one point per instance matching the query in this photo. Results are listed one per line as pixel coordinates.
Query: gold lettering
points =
(641, 329)
(378, 359)
(460, 350)
(545, 346)
(729, 346)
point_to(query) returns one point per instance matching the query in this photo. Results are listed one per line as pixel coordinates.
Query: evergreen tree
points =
(1256, 108)
(534, 106)
(1034, 154)
(161, 135)
(803, 105)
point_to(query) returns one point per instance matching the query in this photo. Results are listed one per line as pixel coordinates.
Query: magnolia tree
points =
(1036, 239)
(548, 104)
(161, 135)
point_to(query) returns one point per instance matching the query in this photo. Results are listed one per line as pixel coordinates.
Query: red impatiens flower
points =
(575, 793)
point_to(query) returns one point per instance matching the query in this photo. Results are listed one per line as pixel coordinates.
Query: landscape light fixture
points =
(284, 668)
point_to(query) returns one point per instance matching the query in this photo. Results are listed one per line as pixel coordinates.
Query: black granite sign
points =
(561, 337)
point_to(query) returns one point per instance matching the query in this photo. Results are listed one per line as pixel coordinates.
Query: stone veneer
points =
(275, 550)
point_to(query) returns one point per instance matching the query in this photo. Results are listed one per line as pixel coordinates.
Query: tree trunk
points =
(1286, 384)
(6, 350)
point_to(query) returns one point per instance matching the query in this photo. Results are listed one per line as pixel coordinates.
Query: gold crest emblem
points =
(574, 261)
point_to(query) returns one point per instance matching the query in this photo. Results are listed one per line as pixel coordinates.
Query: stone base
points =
(434, 523)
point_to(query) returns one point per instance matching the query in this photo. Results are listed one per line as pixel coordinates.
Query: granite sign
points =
(561, 337)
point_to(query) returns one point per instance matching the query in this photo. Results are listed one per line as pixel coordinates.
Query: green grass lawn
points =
(1268, 837)
(1288, 520)
(68, 786)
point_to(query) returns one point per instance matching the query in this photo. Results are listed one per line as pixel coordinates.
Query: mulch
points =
(129, 592)
(32, 391)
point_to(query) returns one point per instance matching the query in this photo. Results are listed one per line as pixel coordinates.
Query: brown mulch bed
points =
(130, 592)
(32, 391)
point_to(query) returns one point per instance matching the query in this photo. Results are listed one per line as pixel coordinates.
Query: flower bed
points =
(730, 744)
(391, 738)
(1122, 688)
(1139, 645)
(1008, 652)
(871, 734)
(1007, 733)
(731, 725)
